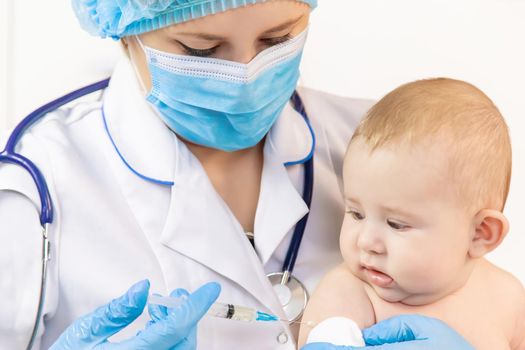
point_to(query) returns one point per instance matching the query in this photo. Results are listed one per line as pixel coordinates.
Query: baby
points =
(426, 179)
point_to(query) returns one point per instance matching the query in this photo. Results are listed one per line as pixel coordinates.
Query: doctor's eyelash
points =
(277, 40)
(208, 52)
(198, 52)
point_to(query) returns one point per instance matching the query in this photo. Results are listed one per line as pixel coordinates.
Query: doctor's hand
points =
(172, 332)
(405, 332)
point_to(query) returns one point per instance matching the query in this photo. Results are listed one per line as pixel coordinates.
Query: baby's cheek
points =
(423, 273)
(347, 243)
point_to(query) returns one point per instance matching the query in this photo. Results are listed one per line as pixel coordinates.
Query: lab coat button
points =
(282, 338)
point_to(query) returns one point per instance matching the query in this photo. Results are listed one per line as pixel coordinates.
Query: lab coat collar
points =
(289, 143)
(280, 206)
(290, 139)
(144, 143)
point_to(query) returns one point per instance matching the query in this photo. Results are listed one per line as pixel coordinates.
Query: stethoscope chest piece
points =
(292, 295)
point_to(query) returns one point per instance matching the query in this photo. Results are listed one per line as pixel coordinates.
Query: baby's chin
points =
(395, 294)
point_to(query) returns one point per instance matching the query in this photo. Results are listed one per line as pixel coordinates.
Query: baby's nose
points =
(370, 240)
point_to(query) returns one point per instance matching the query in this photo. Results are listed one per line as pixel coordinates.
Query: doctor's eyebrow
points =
(213, 37)
(284, 25)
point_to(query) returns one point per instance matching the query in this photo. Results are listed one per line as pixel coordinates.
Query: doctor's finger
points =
(105, 321)
(402, 328)
(156, 313)
(179, 327)
(159, 312)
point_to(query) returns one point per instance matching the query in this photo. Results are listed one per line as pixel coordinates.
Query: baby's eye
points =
(356, 215)
(397, 225)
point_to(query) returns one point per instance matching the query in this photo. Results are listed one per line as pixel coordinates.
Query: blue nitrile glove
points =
(93, 330)
(159, 312)
(405, 332)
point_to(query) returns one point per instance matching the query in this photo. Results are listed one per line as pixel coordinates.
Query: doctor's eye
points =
(397, 226)
(198, 52)
(277, 40)
(356, 215)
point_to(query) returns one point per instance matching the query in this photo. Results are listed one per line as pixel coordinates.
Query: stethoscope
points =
(291, 292)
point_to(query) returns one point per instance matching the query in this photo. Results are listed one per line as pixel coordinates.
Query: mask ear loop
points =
(135, 68)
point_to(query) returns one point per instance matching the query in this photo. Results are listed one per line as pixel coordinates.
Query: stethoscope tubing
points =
(46, 211)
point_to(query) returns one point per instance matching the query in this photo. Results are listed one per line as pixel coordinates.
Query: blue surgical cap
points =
(119, 18)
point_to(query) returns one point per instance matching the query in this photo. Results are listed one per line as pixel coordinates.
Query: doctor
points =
(187, 169)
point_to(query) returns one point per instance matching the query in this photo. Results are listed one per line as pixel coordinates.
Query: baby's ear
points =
(490, 227)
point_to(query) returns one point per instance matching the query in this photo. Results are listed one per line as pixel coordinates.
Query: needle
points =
(310, 324)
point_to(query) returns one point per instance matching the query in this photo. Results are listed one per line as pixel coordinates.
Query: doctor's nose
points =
(370, 240)
(244, 55)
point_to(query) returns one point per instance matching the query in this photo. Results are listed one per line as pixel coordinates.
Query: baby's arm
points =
(340, 293)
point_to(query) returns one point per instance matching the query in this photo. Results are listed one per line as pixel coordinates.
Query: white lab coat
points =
(113, 228)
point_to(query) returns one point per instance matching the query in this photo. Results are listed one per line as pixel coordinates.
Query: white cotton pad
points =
(337, 331)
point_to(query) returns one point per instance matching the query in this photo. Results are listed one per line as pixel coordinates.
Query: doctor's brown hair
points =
(455, 114)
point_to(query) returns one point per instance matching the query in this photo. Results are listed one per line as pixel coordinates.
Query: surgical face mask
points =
(223, 104)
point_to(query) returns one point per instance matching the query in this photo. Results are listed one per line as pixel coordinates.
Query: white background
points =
(356, 48)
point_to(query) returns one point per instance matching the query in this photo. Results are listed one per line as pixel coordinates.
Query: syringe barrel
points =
(232, 312)
(228, 311)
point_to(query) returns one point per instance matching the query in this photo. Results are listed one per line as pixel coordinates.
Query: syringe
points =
(221, 310)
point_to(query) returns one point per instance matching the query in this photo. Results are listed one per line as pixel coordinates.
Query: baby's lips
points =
(378, 278)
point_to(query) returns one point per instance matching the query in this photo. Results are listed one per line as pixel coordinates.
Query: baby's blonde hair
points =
(458, 115)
